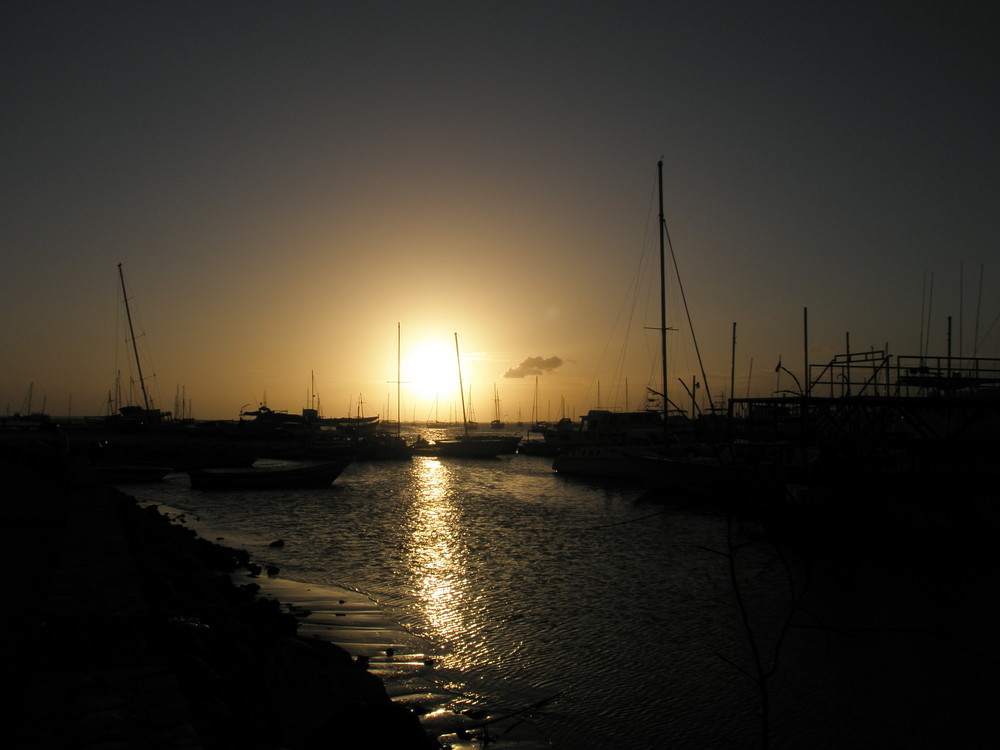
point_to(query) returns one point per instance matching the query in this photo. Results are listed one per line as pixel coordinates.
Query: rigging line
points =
(118, 330)
(643, 259)
(687, 312)
(988, 331)
(923, 312)
(979, 307)
(633, 292)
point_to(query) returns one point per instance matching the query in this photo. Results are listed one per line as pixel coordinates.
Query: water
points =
(525, 585)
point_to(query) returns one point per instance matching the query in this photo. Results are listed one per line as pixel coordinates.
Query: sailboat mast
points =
(399, 372)
(534, 405)
(461, 392)
(663, 295)
(135, 347)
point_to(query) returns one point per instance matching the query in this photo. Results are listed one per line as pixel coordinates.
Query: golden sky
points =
(285, 184)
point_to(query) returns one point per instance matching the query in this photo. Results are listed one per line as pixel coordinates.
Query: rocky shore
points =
(129, 632)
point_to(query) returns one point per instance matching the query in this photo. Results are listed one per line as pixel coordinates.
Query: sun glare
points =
(429, 369)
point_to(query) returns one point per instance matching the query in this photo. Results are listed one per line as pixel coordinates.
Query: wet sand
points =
(113, 641)
(123, 633)
(404, 662)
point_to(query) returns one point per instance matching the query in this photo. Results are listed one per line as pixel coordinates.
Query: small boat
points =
(424, 447)
(477, 446)
(268, 478)
(654, 466)
(497, 423)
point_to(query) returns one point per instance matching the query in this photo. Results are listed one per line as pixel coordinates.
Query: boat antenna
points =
(135, 347)
(458, 360)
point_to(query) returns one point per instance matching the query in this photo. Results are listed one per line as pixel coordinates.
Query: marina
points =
(800, 569)
(248, 501)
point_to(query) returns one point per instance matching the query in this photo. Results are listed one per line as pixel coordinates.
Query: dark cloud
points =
(534, 366)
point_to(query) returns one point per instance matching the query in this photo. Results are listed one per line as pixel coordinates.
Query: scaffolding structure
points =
(867, 403)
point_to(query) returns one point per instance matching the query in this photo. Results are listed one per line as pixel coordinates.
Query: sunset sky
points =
(286, 182)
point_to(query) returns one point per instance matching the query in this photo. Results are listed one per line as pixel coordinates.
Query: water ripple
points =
(529, 585)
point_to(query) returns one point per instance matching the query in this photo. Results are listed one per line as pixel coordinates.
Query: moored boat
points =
(471, 446)
(268, 478)
(467, 446)
(634, 445)
(659, 468)
(477, 446)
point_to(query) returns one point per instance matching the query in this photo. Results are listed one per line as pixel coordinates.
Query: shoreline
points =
(146, 634)
(407, 664)
(346, 617)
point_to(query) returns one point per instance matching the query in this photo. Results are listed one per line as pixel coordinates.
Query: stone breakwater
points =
(130, 632)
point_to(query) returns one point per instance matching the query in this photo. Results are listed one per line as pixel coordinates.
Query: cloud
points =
(534, 366)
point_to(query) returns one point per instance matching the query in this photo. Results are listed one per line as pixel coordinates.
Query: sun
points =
(429, 369)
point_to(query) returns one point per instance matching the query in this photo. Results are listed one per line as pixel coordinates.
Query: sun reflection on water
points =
(436, 555)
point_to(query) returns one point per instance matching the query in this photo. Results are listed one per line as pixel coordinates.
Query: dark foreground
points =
(127, 632)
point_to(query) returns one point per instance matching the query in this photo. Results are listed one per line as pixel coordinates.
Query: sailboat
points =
(497, 423)
(145, 414)
(471, 423)
(638, 445)
(385, 444)
(473, 446)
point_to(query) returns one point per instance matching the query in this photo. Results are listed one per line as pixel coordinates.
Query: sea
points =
(606, 616)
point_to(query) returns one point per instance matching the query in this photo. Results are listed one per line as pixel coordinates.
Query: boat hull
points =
(650, 468)
(317, 475)
(477, 446)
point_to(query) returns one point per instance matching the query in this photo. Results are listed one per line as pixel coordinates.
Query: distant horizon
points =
(287, 188)
(451, 411)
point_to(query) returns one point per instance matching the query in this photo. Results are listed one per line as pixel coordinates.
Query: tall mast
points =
(534, 405)
(458, 360)
(399, 414)
(663, 296)
(135, 347)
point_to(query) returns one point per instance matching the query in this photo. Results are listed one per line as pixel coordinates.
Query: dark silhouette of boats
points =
(640, 446)
(467, 446)
(268, 478)
(497, 423)
(476, 446)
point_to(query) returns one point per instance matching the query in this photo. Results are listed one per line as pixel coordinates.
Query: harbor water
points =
(614, 614)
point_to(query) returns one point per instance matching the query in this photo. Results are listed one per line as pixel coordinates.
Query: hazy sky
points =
(285, 182)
